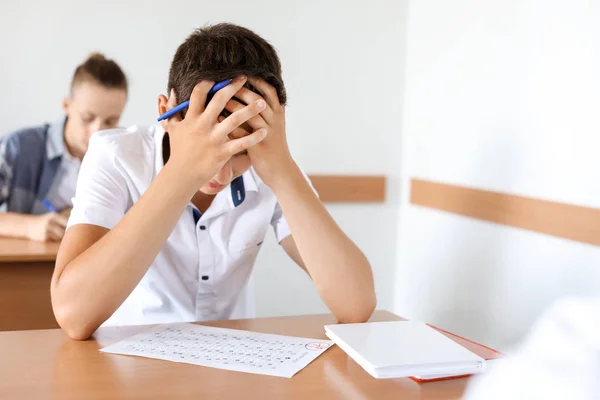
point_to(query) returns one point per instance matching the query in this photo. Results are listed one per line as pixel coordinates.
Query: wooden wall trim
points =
(349, 189)
(566, 221)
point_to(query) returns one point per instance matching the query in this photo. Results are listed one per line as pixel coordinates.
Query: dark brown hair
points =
(220, 52)
(101, 70)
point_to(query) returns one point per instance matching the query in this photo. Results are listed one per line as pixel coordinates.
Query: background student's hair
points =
(101, 70)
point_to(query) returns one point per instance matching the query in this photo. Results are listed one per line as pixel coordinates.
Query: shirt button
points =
(202, 227)
(204, 277)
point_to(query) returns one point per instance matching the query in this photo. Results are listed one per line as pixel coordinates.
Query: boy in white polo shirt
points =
(168, 220)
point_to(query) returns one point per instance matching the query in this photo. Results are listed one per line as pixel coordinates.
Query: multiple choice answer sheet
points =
(230, 349)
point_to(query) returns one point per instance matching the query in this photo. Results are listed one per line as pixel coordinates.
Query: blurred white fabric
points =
(560, 358)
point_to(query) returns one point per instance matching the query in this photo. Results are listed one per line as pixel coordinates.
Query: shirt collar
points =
(250, 180)
(55, 142)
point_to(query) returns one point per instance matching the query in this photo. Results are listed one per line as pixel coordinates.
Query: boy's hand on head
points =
(270, 158)
(200, 145)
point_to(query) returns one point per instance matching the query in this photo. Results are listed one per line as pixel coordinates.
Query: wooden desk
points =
(46, 364)
(25, 271)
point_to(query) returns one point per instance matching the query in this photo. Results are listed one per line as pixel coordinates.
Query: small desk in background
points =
(46, 364)
(25, 272)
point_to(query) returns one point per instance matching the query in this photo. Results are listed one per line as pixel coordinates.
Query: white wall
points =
(343, 66)
(500, 95)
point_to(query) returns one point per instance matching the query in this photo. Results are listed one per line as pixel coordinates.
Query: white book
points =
(399, 349)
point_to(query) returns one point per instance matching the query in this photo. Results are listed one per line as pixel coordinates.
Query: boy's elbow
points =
(359, 313)
(73, 325)
(77, 333)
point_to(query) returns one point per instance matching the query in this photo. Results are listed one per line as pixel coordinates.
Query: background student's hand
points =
(271, 158)
(200, 144)
(47, 227)
(66, 212)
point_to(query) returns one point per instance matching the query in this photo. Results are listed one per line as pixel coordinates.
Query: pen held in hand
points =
(179, 108)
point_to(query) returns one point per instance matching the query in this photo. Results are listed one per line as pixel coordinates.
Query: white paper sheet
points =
(235, 350)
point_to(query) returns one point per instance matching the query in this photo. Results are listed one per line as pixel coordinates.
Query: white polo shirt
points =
(202, 271)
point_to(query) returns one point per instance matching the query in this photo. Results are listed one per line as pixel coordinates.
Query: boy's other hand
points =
(270, 158)
(200, 144)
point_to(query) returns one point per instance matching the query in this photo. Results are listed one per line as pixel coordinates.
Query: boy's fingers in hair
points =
(236, 146)
(255, 122)
(237, 132)
(268, 91)
(198, 97)
(248, 96)
(239, 117)
(218, 101)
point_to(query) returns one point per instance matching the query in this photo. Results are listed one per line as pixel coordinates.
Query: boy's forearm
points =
(340, 271)
(94, 284)
(15, 225)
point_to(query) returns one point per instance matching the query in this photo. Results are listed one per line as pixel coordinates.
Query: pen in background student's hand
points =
(49, 206)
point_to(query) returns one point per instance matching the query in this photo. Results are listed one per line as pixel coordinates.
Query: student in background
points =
(39, 165)
(560, 358)
(168, 219)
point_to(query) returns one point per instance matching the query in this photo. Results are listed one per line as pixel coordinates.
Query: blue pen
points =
(49, 206)
(218, 86)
